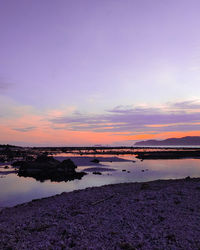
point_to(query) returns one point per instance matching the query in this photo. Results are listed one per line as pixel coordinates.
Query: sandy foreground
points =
(153, 215)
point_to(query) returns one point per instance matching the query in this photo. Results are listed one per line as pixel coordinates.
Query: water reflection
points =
(15, 190)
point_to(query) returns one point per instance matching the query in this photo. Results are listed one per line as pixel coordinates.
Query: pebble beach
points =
(163, 214)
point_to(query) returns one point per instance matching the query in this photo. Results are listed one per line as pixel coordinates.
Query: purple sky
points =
(70, 64)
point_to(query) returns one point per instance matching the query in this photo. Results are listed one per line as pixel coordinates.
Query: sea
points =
(114, 169)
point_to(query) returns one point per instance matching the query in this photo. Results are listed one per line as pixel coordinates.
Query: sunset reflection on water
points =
(15, 190)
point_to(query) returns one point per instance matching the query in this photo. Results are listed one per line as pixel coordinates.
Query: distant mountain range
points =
(184, 141)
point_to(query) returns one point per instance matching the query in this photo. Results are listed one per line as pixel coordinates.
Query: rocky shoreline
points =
(153, 215)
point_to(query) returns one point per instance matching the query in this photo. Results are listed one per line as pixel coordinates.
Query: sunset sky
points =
(110, 72)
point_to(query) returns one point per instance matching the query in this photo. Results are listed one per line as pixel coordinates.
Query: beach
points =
(162, 214)
(100, 125)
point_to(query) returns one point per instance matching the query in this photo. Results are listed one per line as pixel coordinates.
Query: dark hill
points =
(184, 141)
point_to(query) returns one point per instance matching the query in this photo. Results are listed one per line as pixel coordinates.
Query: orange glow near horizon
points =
(49, 136)
(171, 124)
(40, 131)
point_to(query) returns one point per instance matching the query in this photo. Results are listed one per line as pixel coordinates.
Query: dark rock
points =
(187, 178)
(45, 167)
(44, 158)
(171, 237)
(177, 201)
(126, 246)
(67, 166)
(95, 172)
(6, 167)
(161, 218)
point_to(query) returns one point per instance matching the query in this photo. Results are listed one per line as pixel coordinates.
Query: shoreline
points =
(162, 214)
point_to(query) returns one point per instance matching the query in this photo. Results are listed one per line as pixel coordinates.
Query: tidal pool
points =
(15, 190)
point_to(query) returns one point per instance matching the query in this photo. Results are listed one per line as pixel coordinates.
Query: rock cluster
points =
(45, 167)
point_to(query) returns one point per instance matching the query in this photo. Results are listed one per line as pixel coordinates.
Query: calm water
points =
(15, 190)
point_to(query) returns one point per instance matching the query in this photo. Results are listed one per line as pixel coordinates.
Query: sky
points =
(109, 72)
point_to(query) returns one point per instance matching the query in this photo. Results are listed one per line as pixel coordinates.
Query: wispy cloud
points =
(187, 105)
(25, 129)
(4, 85)
(179, 116)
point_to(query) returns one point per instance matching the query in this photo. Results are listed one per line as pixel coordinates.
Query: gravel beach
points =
(153, 215)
